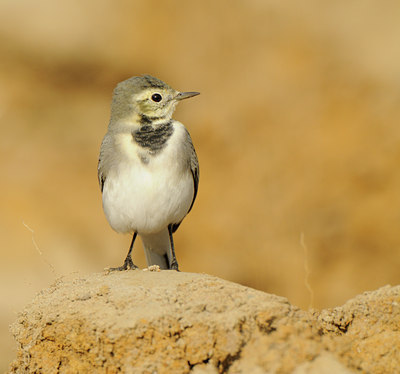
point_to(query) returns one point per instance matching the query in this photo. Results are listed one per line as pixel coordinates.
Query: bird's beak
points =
(185, 95)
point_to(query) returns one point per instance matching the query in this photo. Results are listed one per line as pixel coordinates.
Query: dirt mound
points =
(169, 322)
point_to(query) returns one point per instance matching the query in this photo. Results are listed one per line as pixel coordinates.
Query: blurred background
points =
(296, 129)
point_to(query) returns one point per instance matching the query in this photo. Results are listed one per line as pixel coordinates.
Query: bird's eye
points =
(156, 97)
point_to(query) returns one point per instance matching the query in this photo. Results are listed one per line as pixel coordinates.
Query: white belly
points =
(146, 198)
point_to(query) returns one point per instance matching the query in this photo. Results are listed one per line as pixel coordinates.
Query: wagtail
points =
(148, 169)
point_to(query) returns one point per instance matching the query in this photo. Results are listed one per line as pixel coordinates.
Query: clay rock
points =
(169, 322)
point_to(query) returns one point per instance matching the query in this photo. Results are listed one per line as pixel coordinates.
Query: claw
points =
(128, 265)
(174, 265)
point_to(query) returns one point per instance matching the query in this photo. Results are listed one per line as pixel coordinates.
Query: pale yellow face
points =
(156, 102)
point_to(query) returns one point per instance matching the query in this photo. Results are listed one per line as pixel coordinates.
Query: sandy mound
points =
(168, 322)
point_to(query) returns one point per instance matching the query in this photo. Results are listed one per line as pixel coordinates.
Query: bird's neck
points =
(137, 121)
(155, 121)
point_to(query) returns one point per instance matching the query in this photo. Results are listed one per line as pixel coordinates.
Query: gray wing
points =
(101, 175)
(104, 162)
(194, 169)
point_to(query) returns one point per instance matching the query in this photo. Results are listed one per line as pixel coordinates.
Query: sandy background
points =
(296, 129)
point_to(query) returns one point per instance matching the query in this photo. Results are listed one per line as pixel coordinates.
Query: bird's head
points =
(145, 96)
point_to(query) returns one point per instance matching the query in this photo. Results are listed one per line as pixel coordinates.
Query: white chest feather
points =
(145, 193)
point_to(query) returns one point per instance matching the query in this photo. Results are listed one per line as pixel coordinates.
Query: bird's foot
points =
(128, 265)
(174, 265)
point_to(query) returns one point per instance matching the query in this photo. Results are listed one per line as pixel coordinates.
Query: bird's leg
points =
(174, 264)
(128, 263)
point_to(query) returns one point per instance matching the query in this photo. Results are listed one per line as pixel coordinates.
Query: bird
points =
(148, 170)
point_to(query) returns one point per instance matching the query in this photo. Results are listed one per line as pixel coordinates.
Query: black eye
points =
(156, 97)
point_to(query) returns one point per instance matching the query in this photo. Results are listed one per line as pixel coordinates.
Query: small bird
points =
(148, 169)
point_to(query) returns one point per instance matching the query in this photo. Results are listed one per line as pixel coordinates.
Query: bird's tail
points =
(157, 248)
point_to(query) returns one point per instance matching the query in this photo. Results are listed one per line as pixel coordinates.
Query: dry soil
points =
(169, 322)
